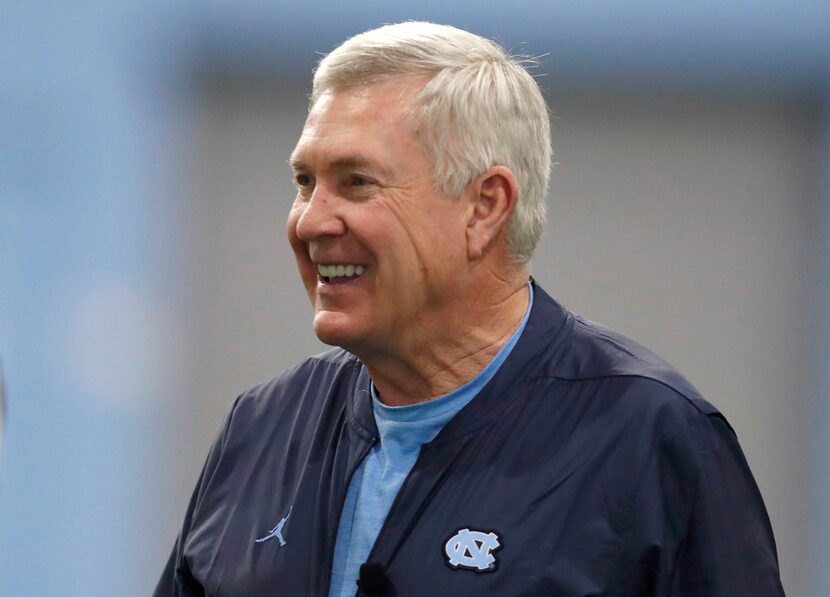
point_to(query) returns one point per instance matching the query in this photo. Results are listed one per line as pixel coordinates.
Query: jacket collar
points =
(543, 339)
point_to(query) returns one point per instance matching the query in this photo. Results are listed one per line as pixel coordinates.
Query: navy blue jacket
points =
(588, 466)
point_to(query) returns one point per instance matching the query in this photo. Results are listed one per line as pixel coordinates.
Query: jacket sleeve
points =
(176, 579)
(728, 549)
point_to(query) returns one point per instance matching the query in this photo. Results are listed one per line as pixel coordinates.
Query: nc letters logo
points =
(472, 550)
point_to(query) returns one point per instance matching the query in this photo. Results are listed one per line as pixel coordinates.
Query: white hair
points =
(480, 108)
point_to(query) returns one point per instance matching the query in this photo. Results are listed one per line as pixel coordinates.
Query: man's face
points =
(382, 256)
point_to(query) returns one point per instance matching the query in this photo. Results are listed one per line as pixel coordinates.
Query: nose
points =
(319, 217)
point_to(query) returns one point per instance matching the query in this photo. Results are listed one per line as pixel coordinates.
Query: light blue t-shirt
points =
(375, 483)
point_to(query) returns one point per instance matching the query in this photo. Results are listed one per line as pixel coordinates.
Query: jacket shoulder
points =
(595, 351)
(312, 380)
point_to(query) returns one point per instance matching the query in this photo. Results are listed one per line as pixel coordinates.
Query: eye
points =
(360, 181)
(303, 180)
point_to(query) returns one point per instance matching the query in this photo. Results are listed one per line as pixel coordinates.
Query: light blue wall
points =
(82, 281)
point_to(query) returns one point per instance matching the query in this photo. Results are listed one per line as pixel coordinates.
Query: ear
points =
(493, 196)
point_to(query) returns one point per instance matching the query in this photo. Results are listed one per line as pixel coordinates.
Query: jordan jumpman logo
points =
(276, 531)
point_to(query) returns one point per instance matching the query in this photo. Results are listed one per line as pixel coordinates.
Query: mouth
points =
(339, 273)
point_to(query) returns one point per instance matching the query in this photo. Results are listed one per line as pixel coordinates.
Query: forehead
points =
(351, 125)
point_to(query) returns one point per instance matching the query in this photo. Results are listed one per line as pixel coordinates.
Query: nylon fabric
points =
(597, 467)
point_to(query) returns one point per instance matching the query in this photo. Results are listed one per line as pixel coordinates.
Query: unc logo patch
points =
(472, 550)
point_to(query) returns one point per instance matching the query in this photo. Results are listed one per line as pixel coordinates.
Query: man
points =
(470, 436)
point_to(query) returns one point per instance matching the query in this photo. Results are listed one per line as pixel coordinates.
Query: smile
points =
(336, 273)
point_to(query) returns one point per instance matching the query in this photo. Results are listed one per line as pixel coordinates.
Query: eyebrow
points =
(296, 163)
(344, 163)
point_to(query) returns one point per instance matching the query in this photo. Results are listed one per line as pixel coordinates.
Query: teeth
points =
(331, 271)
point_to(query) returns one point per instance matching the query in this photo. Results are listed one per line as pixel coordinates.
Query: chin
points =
(336, 329)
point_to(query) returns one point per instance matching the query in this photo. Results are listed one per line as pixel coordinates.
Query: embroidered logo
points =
(276, 531)
(472, 550)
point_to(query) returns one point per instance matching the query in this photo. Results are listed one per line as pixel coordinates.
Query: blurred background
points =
(145, 279)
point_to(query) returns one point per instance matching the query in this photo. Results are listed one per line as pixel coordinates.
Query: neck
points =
(450, 351)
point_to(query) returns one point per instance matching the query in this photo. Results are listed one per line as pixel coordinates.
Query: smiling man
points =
(469, 435)
(416, 282)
